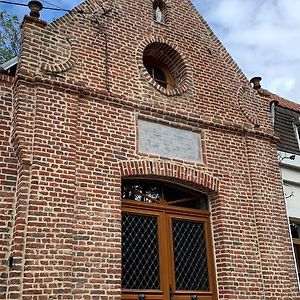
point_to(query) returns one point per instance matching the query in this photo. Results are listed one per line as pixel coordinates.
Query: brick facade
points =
(70, 136)
(8, 177)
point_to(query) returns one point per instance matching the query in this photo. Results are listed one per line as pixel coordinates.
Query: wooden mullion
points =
(182, 200)
(164, 266)
(172, 279)
(170, 209)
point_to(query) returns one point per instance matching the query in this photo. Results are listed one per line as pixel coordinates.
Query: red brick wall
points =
(75, 139)
(8, 172)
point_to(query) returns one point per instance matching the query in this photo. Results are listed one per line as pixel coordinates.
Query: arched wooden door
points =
(166, 243)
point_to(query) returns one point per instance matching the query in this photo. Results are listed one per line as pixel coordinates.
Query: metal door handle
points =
(141, 296)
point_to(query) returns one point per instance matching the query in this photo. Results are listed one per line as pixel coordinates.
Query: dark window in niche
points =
(295, 233)
(159, 11)
(295, 229)
(159, 72)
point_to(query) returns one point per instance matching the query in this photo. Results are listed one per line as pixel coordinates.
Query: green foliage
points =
(10, 36)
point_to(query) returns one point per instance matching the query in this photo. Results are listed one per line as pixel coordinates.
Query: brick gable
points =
(79, 91)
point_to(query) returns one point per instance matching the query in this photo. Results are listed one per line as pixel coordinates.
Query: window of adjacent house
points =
(166, 242)
(296, 125)
(295, 232)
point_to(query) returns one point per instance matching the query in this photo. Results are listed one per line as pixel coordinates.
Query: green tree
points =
(10, 36)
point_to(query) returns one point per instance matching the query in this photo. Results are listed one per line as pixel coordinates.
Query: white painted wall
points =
(290, 170)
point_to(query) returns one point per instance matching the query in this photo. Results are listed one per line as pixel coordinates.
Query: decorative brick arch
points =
(177, 61)
(245, 95)
(64, 65)
(172, 172)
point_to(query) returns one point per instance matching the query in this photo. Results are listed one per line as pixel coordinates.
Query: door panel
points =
(140, 253)
(191, 257)
(166, 255)
(143, 255)
(189, 254)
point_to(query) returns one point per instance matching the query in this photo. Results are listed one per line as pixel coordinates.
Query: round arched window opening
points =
(165, 68)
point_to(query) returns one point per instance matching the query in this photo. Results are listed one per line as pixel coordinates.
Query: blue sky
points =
(263, 36)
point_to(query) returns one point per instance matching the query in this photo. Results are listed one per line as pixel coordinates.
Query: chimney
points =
(35, 8)
(256, 82)
(33, 17)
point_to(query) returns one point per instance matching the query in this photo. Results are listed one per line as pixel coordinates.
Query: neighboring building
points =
(9, 67)
(287, 126)
(137, 161)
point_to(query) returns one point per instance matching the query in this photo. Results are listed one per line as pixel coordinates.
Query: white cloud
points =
(282, 83)
(290, 84)
(262, 36)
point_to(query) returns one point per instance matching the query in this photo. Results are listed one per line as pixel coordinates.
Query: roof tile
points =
(284, 102)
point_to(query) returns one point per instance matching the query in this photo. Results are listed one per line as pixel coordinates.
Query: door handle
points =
(194, 297)
(141, 296)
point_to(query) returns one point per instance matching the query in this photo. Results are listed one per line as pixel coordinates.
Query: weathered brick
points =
(69, 124)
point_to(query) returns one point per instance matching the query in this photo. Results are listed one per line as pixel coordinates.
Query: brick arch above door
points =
(170, 171)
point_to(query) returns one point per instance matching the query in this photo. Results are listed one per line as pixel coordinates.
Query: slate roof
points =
(287, 113)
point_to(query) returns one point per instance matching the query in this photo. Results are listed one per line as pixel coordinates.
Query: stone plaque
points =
(168, 141)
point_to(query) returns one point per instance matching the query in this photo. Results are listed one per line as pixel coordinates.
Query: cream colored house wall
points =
(290, 170)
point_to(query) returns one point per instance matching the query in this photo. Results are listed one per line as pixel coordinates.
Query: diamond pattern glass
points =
(191, 270)
(140, 260)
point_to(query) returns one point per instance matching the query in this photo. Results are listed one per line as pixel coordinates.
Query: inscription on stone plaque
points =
(168, 141)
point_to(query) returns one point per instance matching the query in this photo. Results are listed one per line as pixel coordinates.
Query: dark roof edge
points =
(10, 63)
(280, 101)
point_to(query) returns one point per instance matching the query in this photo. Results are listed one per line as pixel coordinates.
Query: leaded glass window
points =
(191, 269)
(140, 267)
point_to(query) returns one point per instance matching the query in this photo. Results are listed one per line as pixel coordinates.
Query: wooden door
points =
(166, 249)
